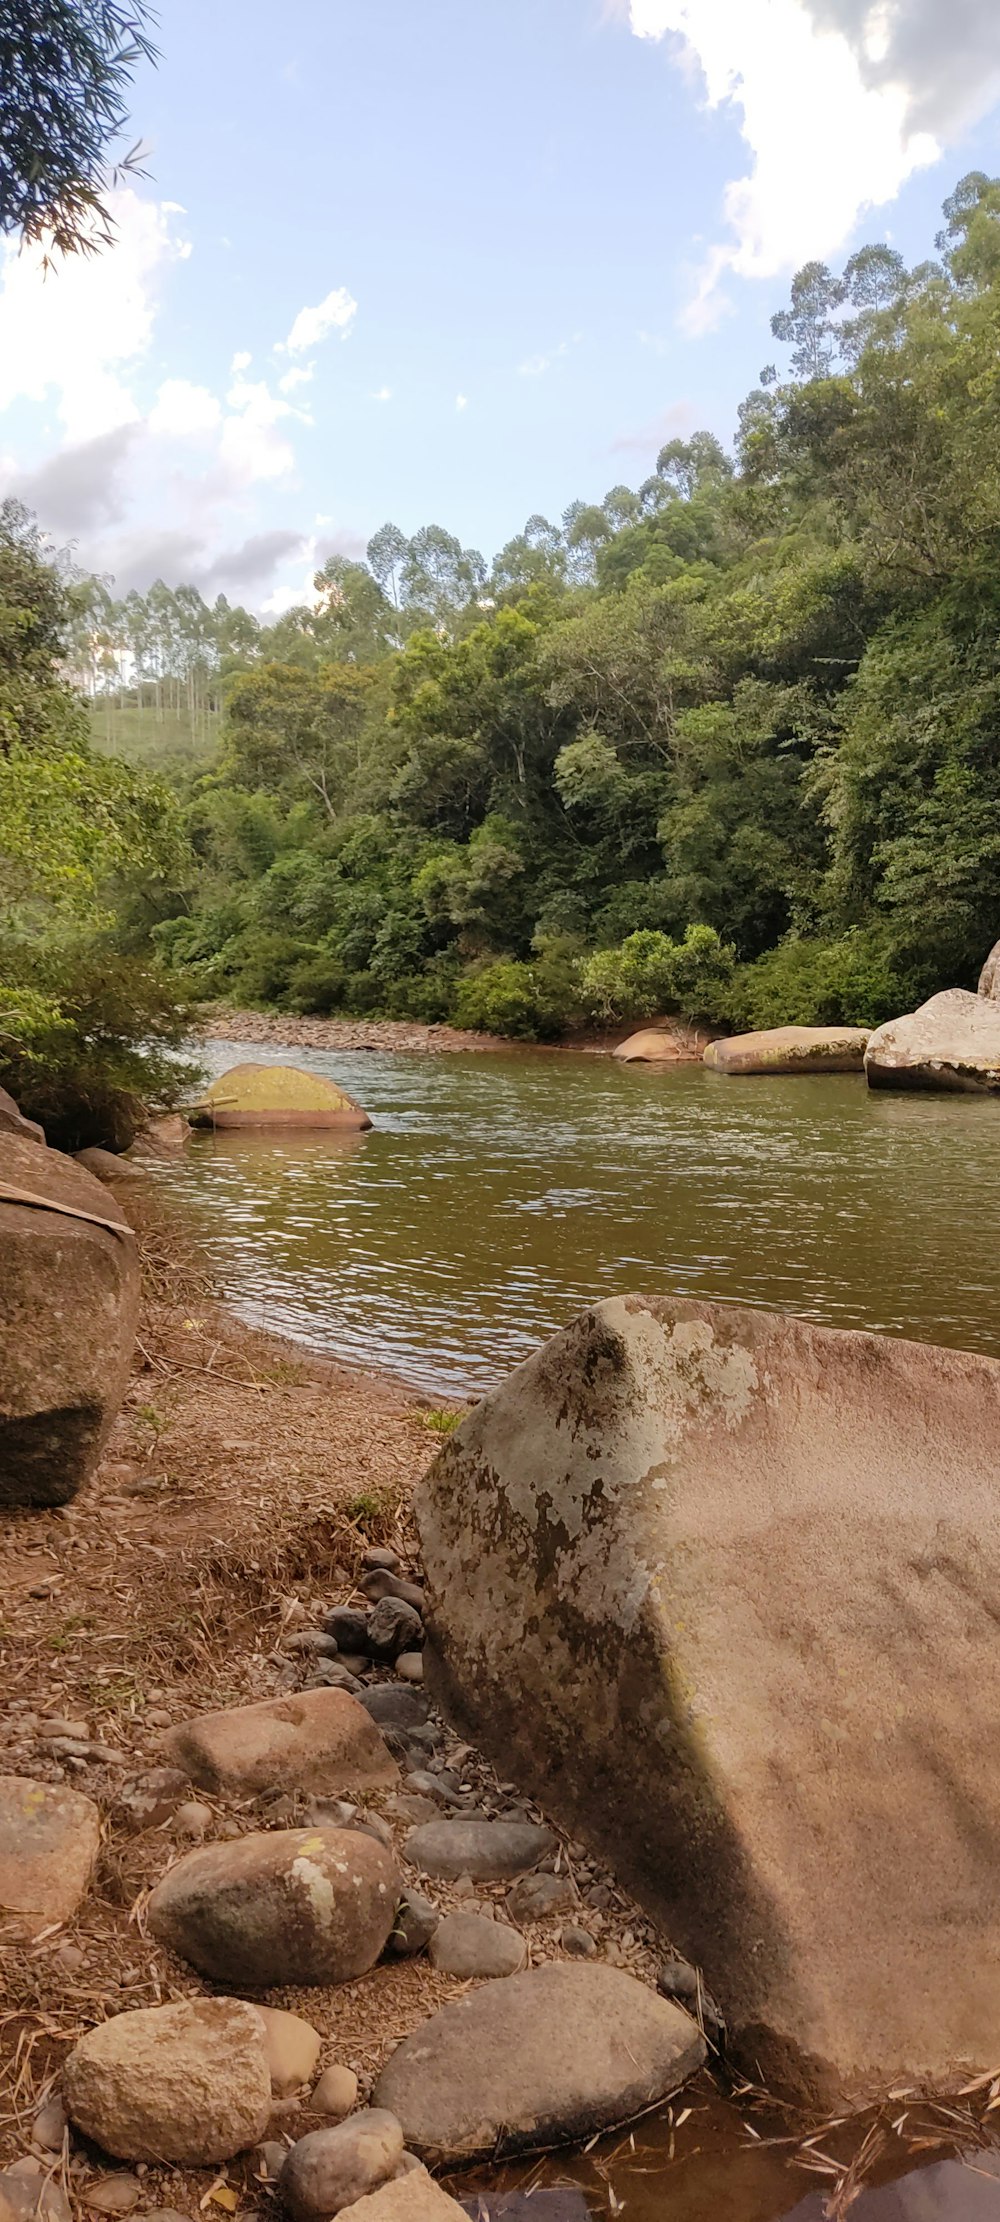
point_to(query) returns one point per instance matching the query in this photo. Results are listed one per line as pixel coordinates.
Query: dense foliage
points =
(728, 744)
(86, 1028)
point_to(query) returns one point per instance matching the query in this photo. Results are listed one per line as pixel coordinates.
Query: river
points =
(494, 1197)
(497, 1195)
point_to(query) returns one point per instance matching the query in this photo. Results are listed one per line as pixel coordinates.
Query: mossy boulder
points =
(277, 1095)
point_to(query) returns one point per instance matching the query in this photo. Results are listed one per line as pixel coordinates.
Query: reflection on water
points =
(497, 1195)
(709, 2170)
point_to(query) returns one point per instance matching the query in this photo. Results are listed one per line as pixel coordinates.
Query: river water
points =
(494, 1197)
(497, 1195)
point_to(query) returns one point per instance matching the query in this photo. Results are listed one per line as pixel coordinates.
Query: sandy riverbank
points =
(281, 1030)
(240, 1487)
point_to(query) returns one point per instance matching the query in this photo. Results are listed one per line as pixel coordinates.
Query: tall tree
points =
(65, 69)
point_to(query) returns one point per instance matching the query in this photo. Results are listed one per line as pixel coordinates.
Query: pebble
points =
(394, 1706)
(372, 1824)
(314, 1640)
(331, 2168)
(410, 1666)
(348, 1628)
(429, 1785)
(272, 2156)
(76, 1731)
(336, 2093)
(157, 1717)
(468, 1945)
(493, 1851)
(292, 2046)
(112, 2194)
(356, 1663)
(578, 1943)
(332, 1674)
(49, 2126)
(414, 1925)
(393, 1628)
(29, 2193)
(192, 1819)
(678, 1979)
(409, 1805)
(378, 1555)
(380, 1584)
(534, 1897)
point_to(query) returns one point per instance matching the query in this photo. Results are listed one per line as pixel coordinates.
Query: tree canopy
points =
(65, 71)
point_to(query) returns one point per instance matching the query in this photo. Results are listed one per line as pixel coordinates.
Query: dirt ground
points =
(240, 1486)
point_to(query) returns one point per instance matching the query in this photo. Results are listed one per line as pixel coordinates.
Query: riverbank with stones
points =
(224, 1790)
(278, 1030)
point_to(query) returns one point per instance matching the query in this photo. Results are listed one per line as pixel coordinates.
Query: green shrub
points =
(500, 998)
(649, 973)
(851, 982)
(317, 984)
(89, 1040)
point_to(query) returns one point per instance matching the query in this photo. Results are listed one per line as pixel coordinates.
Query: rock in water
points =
(69, 1302)
(187, 2083)
(951, 1042)
(721, 1586)
(544, 2058)
(282, 1907)
(320, 1740)
(49, 1840)
(790, 1049)
(277, 1095)
(332, 2168)
(649, 1047)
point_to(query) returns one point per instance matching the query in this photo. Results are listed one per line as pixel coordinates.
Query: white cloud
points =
(78, 331)
(182, 410)
(336, 313)
(251, 447)
(461, 401)
(825, 143)
(301, 374)
(384, 394)
(535, 366)
(240, 362)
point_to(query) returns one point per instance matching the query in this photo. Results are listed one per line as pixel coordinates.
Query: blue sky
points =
(441, 261)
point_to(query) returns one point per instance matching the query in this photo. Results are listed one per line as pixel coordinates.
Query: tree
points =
(65, 66)
(807, 326)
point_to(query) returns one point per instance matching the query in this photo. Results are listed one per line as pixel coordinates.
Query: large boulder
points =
(187, 2083)
(650, 1047)
(285, 1906)
(69, 1303)
(722, 1587)
(538, 2059)
(989, 978)
(951, 1042)
(790, 1049)
(319, 1740)
(277, 1095)
(13, 1121)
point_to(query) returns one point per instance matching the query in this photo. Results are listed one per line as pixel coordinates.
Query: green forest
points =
(726, 744)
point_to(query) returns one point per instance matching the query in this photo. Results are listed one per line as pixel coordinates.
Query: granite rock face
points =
(69, 1303)
(720, 1587)
(951, 1043)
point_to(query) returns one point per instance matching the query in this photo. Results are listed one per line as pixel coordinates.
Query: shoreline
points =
(405, 1037)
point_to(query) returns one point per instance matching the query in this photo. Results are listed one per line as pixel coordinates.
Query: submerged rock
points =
(321, 1740)
(279, 1096)
(286, 1906)
(952, 1042)
(790, 1049)
(649, 1047)
(545, 2058)
(69, 1302)
(187, 2083)
(720, 1586)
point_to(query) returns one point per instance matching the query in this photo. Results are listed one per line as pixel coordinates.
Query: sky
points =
(451, 262)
